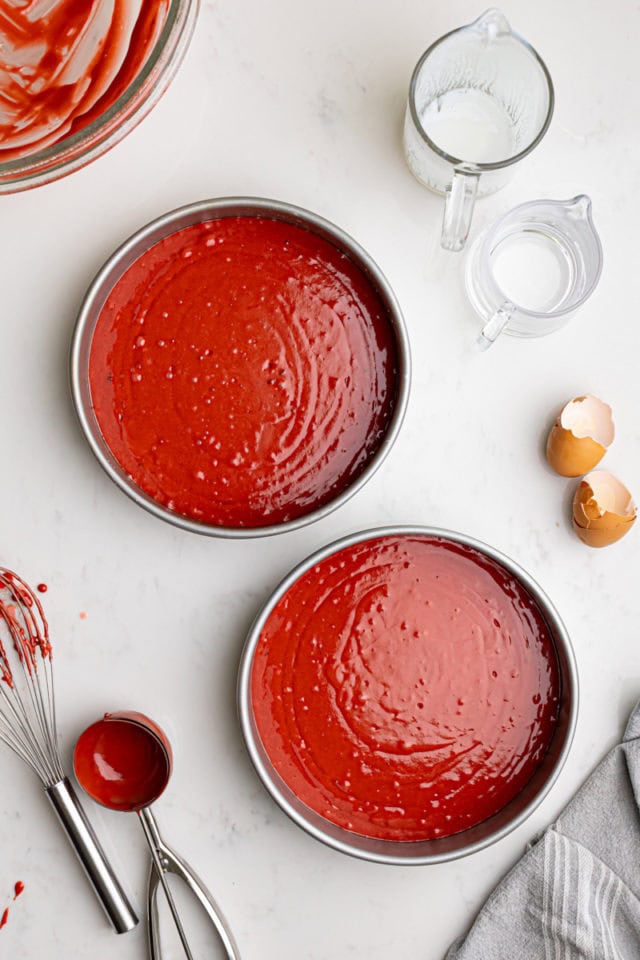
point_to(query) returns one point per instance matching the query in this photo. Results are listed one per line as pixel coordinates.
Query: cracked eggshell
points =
(603, 509)
(580, 436)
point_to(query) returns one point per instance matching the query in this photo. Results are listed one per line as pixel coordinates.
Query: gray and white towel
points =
(575, 895)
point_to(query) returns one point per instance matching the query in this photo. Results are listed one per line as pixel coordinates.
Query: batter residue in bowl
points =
(243, 371)
(63, 63)
(406, 688)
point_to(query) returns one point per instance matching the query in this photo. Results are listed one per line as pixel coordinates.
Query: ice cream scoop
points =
(124, 762)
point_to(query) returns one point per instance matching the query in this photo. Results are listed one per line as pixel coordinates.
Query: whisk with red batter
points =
(28, 727)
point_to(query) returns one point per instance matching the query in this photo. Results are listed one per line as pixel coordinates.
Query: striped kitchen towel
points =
(575, 895)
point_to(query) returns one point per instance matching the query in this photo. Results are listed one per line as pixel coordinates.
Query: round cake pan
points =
(426, 851)
(138, 244)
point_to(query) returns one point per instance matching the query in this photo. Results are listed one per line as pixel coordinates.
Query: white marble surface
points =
(304, 102)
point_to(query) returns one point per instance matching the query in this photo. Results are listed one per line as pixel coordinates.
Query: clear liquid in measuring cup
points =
(533, 270)
(470, 125)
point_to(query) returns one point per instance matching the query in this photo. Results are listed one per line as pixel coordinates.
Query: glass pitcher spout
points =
(492, 23)
(578, 216)
(579, 208)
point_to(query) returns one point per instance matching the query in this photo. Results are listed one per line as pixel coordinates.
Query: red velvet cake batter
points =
(243, 371)
(406, 688)
(120, 763)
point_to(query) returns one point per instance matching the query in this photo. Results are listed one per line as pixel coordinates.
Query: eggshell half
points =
(580, 436)
(603, 509)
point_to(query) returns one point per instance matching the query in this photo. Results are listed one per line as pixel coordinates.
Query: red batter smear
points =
(26, 624)
(121, 763)
(18, 889)
(63, 63)
(42, 588)
(406, 688)
(243, 372)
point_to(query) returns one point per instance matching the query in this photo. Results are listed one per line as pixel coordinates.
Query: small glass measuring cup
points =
(529, 272)
(124, 762)
(480, 100)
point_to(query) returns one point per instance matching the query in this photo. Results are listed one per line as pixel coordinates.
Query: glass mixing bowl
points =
(79, 148)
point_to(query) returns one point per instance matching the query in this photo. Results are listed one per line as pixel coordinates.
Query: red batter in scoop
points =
(65, 62)
(122, 762)
(406, 688)
(243, 371)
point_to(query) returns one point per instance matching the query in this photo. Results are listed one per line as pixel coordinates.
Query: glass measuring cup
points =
(480, 100)
(124, 762)
(529, 272)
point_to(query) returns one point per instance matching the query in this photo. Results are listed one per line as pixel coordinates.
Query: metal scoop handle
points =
(166, 861)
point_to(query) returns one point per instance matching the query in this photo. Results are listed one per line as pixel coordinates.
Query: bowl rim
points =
(78, 149)
(386, 850)
(167, 224)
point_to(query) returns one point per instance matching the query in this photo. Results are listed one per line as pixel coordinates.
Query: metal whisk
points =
(28, 727)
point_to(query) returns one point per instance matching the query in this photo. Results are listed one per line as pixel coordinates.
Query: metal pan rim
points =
(135, 246)
(390, 851)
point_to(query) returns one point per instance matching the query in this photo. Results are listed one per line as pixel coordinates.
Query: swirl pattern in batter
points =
(406, 688)
(243, 371)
